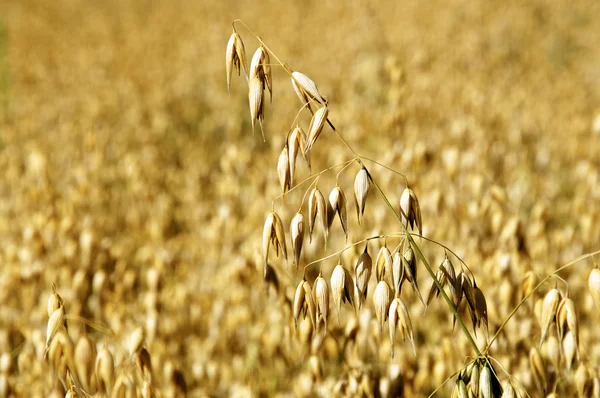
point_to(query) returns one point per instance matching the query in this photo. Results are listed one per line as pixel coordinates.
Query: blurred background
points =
(133, 182)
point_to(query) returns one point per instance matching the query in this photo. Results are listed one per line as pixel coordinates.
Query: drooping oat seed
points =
(55, 323)
(296, 143)
(316, 127)
(85, 356)
(257, 107)
(311, 306)
(445, 276)
(460, 389)
(570, 349)
(538, 370)
(297, 234)
(566, 319)
(362, 185)
(321, 297)
(549, 309)
(475, 377)
(273, 233)
(306, 90)
(283, 170)
(260, 67)
(54, 301)
(383, 265)
(410, 271)
(397, 272)
(410, 210)
(583, 381)
(235, 55)
(136, 341)
(317, 207)
(485, 383)
(594, 286)
(381, 301)
(405, 325)
(105, 371)
(337, 205)
(298, 304)
(362, 275)
(480, 308)
(342, 287)
(462, 282)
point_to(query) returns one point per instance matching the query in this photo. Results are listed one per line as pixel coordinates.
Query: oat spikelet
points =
(410, 210)
(306, 90)
(85, 355)
(235, 55)
(341, 287)
(337, 205)
(381, 300)
(403, 323)
(410, 272)
(297, 234)
(299, 304)
(54, 301)
(257, 107)
(55, 323)
(538, 370)
(566, 319)
(594, 286)
(136, 341)
(273, 233)
(310, 305)
(397, 272)
(583, 381)
(321, 297)
(362, 273)
(317, 207)
(260, 67)
(362, 185)
(316, 127)
(485, 383)
(480, 308)
(549, 309)
(383, 268)
(570, 349)
(296, 143)
(105, 371)
(283, 171)
(445, 276)
(463, 283)
(460, 390)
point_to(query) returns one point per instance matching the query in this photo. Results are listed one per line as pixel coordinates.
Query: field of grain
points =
(133, 183)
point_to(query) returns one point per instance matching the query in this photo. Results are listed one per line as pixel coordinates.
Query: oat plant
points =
(400, 253)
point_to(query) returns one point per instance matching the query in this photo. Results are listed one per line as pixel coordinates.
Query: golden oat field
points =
(144, 230)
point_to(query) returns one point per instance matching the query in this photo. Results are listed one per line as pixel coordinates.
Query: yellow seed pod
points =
(594, 286)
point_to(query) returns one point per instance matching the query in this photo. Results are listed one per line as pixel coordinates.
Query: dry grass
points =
(132, 181)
